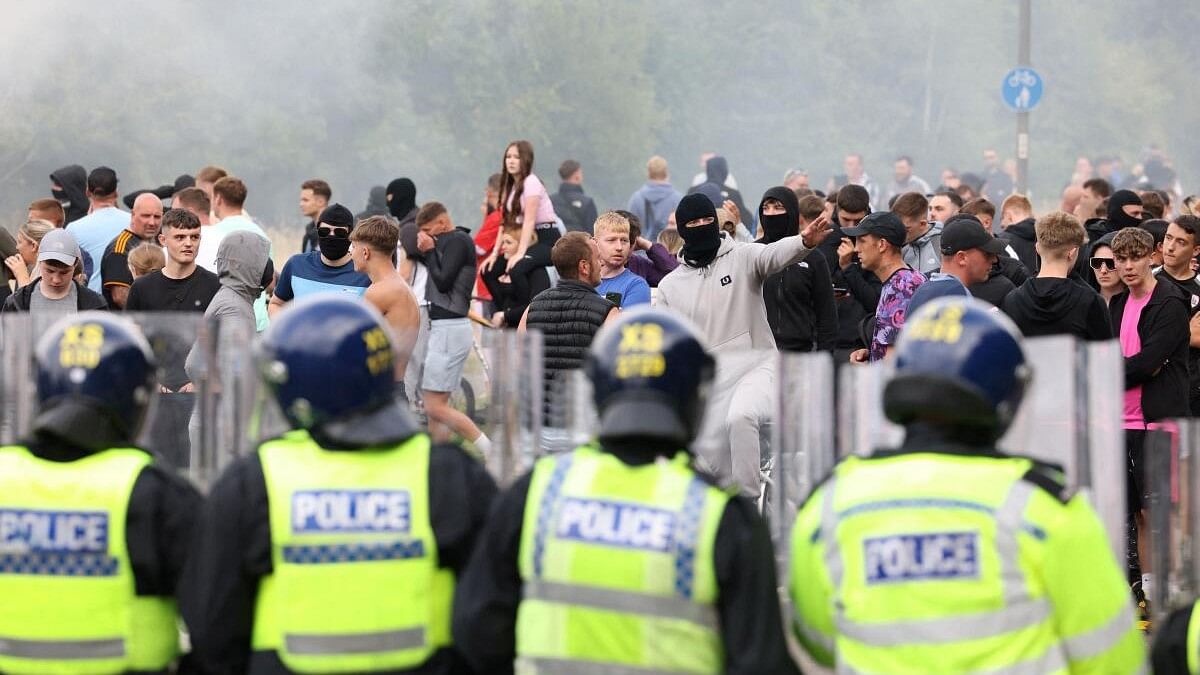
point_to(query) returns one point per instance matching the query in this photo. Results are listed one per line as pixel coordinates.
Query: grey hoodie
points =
(924, 253)
(661, 198)
(241, 259)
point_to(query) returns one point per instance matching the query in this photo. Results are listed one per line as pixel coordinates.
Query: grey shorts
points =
(449, 344)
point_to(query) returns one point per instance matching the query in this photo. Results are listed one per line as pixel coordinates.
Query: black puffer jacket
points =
(568, 316)
(1023, 239)
(1161, 367)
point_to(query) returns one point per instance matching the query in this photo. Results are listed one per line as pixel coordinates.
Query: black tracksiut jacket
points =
(485, 603)
(233, 553)
(86, 298)
(1161, 367)
(800, 307)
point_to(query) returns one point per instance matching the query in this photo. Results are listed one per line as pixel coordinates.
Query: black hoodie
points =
(1053, 306)
(376, 204)
(1161, 367)
(1023, 239)
(73, 180)
(799, 299)
(717, 171)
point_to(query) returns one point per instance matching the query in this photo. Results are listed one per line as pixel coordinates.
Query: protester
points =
(654, 202)
(373, 242)
(55, 292)
(719, 287)
(968, 252)
(903, 180)
(997, 184)
(523, 200)
(702, 177)
(670, 239)
(510, 299)
(857, 175)
(1095, 191)
(576, 209)
(329, 268)
(196, 202)
(1157, 227)
(1124, 210)
(21, 264)
(1153, 205)
(145, 258)
(855, 290)
(923, 239)
(796, 179)
(1104, 270)
(450, 255)
(207, 178)
(1053, 303)
(799, 299)
(401, 198)
(376, 203)
(617, 283)
(1181, 245)
(181, 285)
(49, 210)
(982, 209)
(1017, 219)
(103, 221)
(314, 197)
(877, 241)
(719, 191)
(114, 268)
(650, 261)
(68, 185)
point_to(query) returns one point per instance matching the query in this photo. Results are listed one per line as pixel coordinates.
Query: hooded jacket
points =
(717, 169)
(799, 298)
(73, 180)
(241, 261)
(653, 204)
(1052, 306)
(924, 253)
(724, 298)
(86, 298)
(1161, 367)
(376, 204)
(577, 210)
(1022, 238)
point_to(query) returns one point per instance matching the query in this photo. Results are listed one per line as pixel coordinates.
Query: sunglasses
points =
(1110, 263)
(325, 231)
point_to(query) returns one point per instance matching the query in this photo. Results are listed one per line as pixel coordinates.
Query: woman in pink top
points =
(524, 200)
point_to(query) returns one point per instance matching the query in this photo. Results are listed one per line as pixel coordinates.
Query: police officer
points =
(619, 557)
(335, 547)
(93, 533)
(945, 555)
(1177, 643)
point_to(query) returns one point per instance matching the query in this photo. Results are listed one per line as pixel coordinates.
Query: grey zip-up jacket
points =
(725, 298)
(924, 253)
(241, 259)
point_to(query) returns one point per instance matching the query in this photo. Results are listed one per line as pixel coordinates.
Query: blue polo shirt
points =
(306, 274)
(625, 290)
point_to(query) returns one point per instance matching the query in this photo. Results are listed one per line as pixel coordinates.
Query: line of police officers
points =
(354, 544)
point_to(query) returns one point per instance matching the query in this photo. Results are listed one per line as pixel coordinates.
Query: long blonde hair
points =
(35, 229)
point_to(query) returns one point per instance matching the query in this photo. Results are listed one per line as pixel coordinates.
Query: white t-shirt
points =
(210, 241)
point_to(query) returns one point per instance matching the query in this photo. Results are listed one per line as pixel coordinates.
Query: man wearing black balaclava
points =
(719, 287)
(717, 170)
(1124, 210)
(69, 187)
(329, 269)
(401, 198)
(799, 299)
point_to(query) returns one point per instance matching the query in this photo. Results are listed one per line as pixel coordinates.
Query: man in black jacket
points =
(798, 300)
(1181, 245)
(577, 210)
(856, 291)
(55, 292)
(1053, 303)
(1016, 216)
(1151, 320)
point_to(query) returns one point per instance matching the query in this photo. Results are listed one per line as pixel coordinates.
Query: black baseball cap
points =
(964, 234)
(883, 224)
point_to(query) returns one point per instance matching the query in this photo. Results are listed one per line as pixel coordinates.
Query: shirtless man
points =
(374, 242)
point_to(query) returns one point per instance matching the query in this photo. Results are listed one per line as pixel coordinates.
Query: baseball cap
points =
(964, 234)
(883, 224)
(58, 245)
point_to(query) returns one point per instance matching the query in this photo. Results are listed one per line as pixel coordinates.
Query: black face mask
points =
(62, 197)
(334, 248)
(775, 227)
(700, 244)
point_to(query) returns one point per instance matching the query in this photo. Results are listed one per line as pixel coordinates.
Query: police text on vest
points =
(351, 511)
(616, 524)
(913, 557)
(24, 531)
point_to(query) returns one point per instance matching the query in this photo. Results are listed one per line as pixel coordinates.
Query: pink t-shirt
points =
(545, 210)
(1131, 344)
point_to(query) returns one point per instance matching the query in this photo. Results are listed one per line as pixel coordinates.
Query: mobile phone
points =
(614, 298)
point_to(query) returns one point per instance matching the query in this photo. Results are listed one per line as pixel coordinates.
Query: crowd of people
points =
(841, 270)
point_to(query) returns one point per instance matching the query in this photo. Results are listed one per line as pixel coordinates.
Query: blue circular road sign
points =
(1021, 89)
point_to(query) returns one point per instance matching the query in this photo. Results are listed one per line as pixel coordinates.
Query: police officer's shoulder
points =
(1048, 476)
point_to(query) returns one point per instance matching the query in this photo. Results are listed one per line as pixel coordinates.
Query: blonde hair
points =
(34, 230)
(656, 168)
(146, 258)
(611, 221)
(671, 239)
(1058, 232)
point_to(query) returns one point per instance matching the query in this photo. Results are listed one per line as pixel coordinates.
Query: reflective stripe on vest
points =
(69, 599)
(344, 525)
(608, 547)
(1020, 610)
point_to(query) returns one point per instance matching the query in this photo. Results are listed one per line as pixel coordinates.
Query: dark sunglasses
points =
(325, 231)
(1110, 263)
